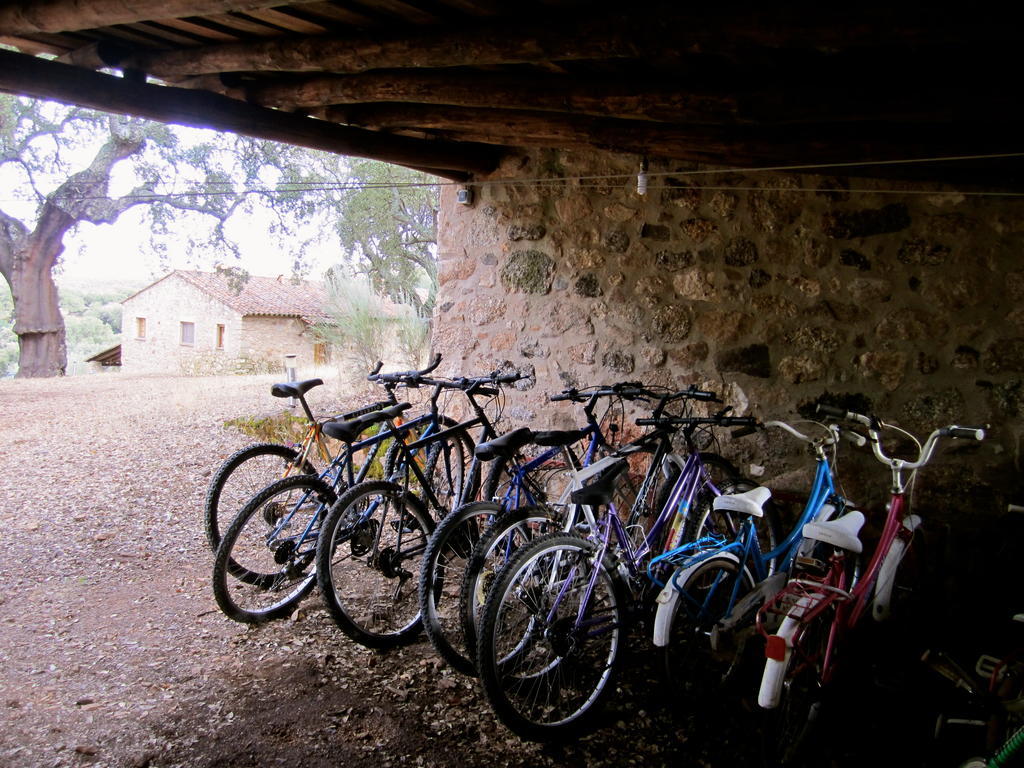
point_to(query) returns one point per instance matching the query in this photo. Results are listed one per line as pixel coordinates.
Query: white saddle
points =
(749, 502)
(840, 533)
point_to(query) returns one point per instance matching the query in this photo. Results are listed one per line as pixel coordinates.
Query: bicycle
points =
(551, 632)
(995, 704)
(827, 596)
(374, 535)
(442, 577)
(252, 468)
(719, 583)
(262, 565)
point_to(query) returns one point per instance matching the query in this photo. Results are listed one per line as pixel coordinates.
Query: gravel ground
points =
(114, 654)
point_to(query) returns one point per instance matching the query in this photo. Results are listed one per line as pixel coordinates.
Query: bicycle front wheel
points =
(368, 563)
(242, 475)
(549, 647)
(441, 577)
(264, 563)
(799, 711)
(507, 533)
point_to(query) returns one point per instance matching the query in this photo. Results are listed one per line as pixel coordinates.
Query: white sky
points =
(121, 251)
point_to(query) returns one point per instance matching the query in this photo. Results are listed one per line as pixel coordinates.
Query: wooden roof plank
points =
(20, 18)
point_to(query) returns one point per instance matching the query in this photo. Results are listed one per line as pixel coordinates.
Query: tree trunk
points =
(38, 323)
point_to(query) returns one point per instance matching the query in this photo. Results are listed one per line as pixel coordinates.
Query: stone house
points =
(206, 322)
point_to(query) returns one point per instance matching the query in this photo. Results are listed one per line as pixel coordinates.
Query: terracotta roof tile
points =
(280, 296)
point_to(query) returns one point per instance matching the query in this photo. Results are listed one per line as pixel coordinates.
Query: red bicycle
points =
(826, 597)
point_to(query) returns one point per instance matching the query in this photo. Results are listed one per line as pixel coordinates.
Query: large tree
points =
(387, 225)
(59, 165)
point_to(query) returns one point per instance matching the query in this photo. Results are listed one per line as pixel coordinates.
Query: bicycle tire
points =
(256, 578)
(799, 711)
(704, 599)
(447, 465)
(241, 476)
(727, 479)
(372, 535)
(509, 531)
(545, 679)
(441, 576)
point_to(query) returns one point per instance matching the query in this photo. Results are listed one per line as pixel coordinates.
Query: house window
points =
(220, 336)
(188, 334)
(140, 327)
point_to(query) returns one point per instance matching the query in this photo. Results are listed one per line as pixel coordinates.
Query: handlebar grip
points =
(485, 391)
(508, 378)
(435, 361)
(744, 431)
(831, 410)
(967, 433)
(560, 397)
(376, 369)
(648, 422)
(701, 394)
(855, 437)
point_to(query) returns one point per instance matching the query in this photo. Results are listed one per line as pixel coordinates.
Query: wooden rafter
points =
(21, 18)
(478, 89)
(736, 145)
(32, 76)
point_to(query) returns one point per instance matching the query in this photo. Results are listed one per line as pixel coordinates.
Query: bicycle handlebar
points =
(409, 377)
(875, 427)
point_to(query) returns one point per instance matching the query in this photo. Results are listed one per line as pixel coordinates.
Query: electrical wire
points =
(214, 189)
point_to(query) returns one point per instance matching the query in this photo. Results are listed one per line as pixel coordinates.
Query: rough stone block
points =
(587, 285)
(740, 252)
(1005, 355)
(528, 272)
(867, 223)
(919, 252)
(674, 260)
(798, 369)
(754, 360)
(618, 361)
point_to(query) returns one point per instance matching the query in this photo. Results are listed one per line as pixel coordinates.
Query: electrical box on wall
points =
(464, 196)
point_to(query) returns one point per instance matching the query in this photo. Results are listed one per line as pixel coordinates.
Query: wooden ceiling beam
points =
(485, 44)
(658, 32)
(31, 76)
(724, 145)
(496, 90)
(21, 18)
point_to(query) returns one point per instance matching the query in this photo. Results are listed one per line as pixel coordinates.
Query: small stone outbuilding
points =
(211, 322)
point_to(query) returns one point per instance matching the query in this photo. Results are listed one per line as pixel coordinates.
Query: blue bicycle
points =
(707, 607)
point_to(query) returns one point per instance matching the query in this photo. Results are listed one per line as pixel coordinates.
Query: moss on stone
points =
(528, 272)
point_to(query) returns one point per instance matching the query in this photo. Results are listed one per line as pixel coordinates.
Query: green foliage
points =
(358, 326)
(388, 228)
(284, 427)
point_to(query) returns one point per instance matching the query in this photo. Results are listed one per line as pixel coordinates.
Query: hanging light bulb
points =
(641, 178)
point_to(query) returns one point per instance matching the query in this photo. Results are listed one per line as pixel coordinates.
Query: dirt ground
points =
(113, 653)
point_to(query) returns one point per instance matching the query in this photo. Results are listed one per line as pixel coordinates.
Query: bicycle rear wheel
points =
(264, 563)
(705, 597)
(368, 563)
(547, 654)
(242, 475)
(441, 577)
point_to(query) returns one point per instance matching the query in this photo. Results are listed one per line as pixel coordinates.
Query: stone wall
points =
(774, 289)
(165, 305)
